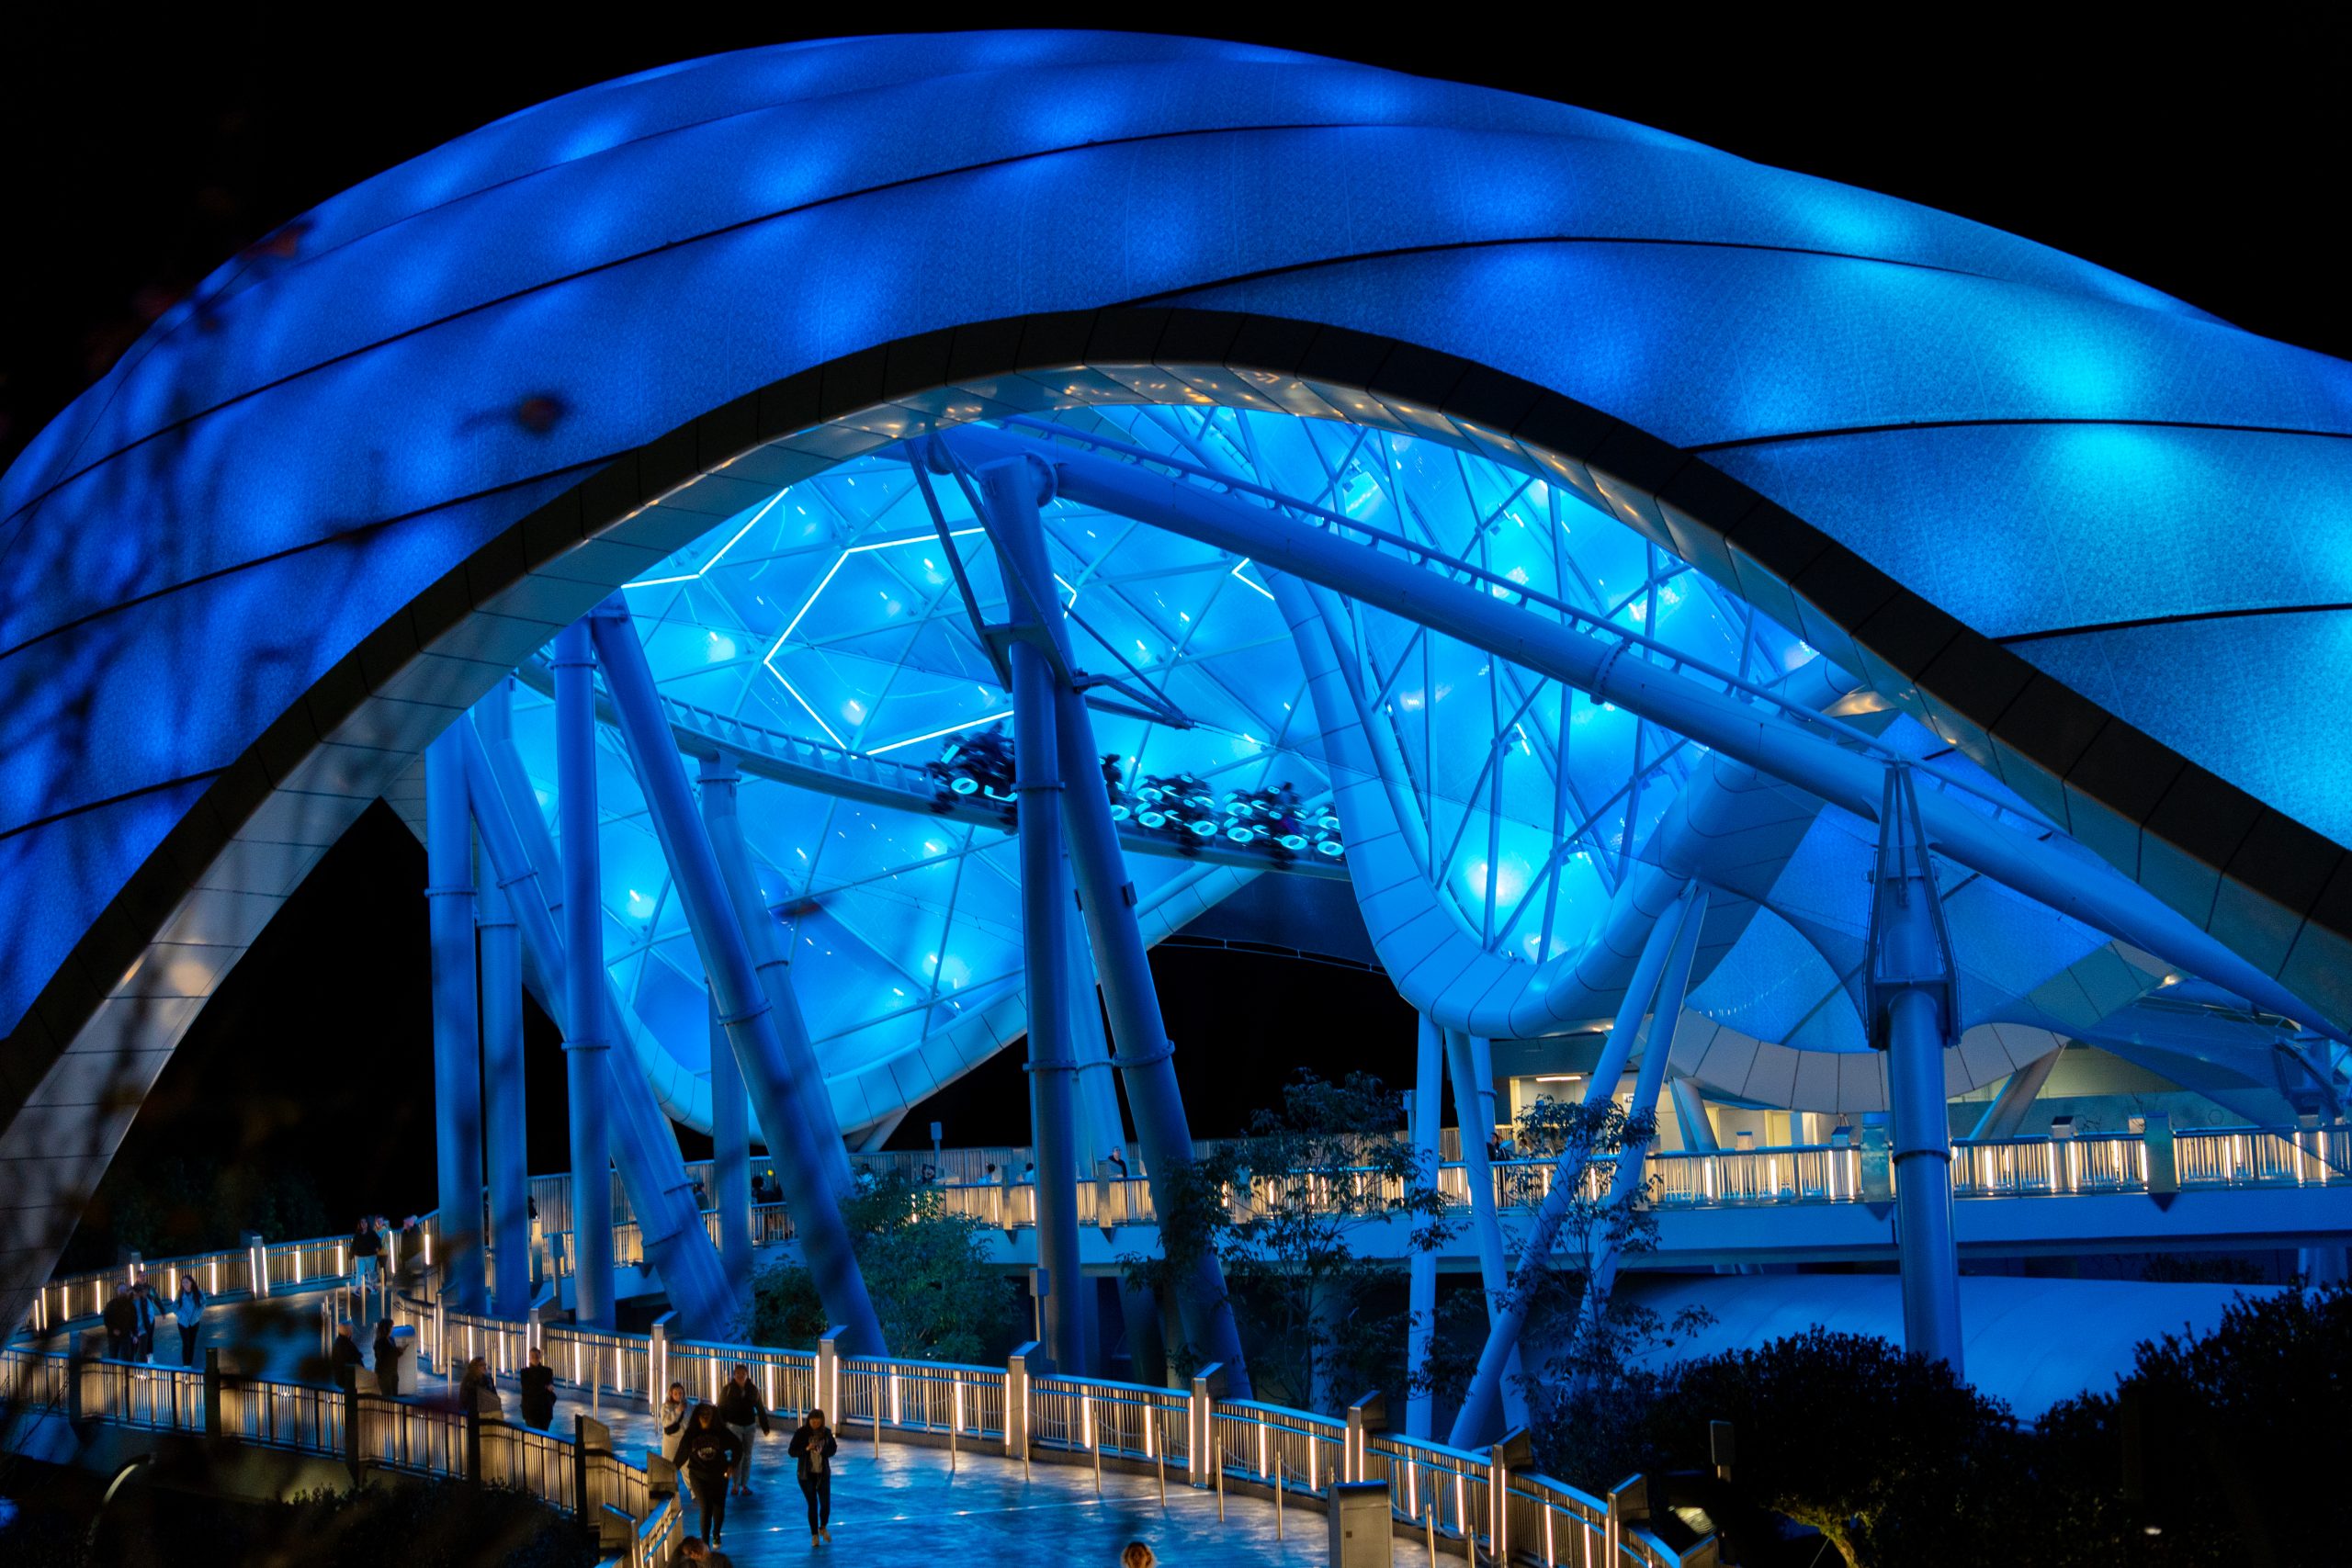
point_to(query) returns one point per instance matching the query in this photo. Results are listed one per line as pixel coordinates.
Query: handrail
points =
(362, 1428)
(2205, 1159)
(1207, 1442)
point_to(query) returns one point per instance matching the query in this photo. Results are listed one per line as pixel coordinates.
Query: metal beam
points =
(644, 1146)
(1045, 935)
(586, 1046)
(1474, 1120)
(1913, 1016)
(506, 1095)
(1816, 754)
(751, 1025)
(2005, 1117)
(1481, 1416)
(724, 823)
(730, 1157)
(1107, 897)
(1421, 1299)
(456, 1049)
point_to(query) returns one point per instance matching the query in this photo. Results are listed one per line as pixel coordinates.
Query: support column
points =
(723, 820)
(1100, 1130)
(456, 1049)
(586, 1043)
(505, 1105)
(1053, 1065)
(750, 1022)
(1107, 897)
(1480, 1419)
(506, 1101)
(1485, 1224)
(1690, 1114)
(2004, 1118)
(1421, 1299)
(730, 1158)
(1913, 1017)
(1625, 1180)
(644, 1146)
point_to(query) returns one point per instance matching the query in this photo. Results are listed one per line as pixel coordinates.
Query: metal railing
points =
(361, 1427)
(1204, 1441)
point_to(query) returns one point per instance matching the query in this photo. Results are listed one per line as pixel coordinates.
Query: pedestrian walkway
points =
(898, 1506)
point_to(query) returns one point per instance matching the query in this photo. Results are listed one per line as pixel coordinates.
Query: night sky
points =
(141, 155)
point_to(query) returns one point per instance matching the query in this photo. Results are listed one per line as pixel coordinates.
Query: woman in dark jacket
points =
(388, 1360)
(538, 1392)
(707, 1455)
(813, 1446)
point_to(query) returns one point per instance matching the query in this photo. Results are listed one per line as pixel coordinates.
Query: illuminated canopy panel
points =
(327, 503)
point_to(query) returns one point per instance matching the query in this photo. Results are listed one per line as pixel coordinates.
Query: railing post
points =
(1016, 1399)
(828, 1375)
(257, 1263)
(1201, 1415)
(580, 1467)
(2164, 1167)
(212, 1390)
(351, 1431)
(657, 1364)
(473, 1442)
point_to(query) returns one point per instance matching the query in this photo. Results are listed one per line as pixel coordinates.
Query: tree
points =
(925, 1268)
(2229, 1448)
(1588, 1395)
(1283, 1209)
(1887, 1454)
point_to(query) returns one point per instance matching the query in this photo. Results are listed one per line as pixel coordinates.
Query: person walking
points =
(538, 1392)
(813, 1446)
(708, 1456)
(366, 1246)
(479, 1391)
(121, 1320)
(143, 1297)
(673, 1421)
(188, 1312)
(740, 1405)
(388, 1360)
(1136, 1556)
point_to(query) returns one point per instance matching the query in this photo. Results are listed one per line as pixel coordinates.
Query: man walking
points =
(740, 1405)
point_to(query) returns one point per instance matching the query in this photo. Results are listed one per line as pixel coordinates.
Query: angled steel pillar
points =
(1420, 1287)
(1474, 1117)
(644, 1147)
(1107, 897)
(586, 1040)
(457, 1024)
(724, 822)
(1690, 1111)
(730, 1157)
(2005, 1117)
(1625, 1179)
(1044, 939)
(751, 1026)
(1913, 998)
(1099, 1127)
(1480, 1418)
(505, 1103)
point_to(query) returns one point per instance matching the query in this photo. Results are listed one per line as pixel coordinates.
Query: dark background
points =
(141, 152)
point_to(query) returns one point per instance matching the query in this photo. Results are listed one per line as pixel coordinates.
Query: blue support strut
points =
(730, 1157)
(1474, 1117)
(644, 1147)
(457, 1059)
(586, 1044)
(505, 1103)
(1052, 1065)
(1420, 1300)
(750, 1022)
(1480, 1419)
(1107, 897)
(1913, 1000)
(723, 820)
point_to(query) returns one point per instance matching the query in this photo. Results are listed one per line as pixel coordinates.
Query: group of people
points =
(377, 1252)
(137, 1310)
(712, 1444)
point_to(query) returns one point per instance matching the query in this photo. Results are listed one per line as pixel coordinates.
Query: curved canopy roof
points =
(329, 500)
